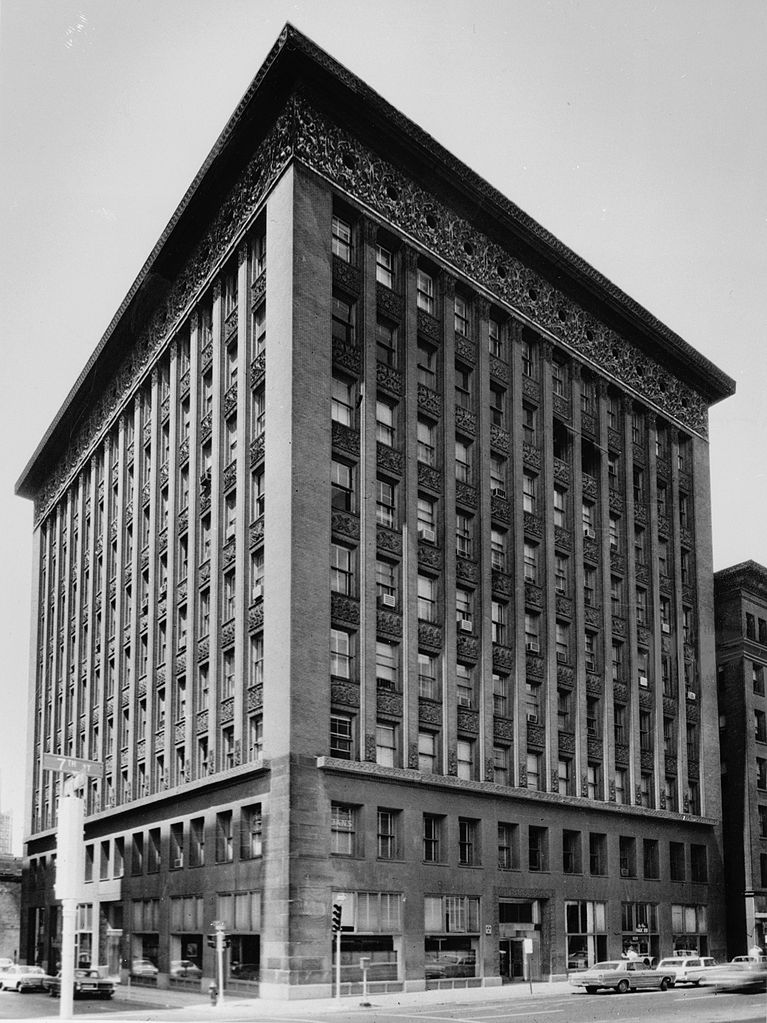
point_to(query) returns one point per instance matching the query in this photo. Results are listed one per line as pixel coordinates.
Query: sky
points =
(634, 131)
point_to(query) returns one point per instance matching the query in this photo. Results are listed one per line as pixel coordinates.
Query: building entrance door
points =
(512, 960)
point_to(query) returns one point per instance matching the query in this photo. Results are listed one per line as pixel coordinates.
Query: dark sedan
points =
(87, 984)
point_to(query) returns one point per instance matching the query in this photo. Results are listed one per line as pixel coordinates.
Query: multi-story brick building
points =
(374, 561)
(740, 596)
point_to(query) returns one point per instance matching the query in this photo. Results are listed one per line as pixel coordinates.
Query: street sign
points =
(72, 765)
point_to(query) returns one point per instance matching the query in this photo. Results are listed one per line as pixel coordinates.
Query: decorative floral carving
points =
(345, 439)
(388, 302)
(588, 423)
(429, 555)
(590, 549)
(429, 401)
(342, 523)
(257, 450)
(255, 617)
(499, 439)
(561, 472)
(389, 379)
(465, 421)
(534, 665)
(429, 477)
(616, 501)
(503, 656)
(468, 720)
(620, 692)
(564, 606)
(533, 524)
(533, 595)
(531, 455)
(255, 698)
(429, 712)
(593, 684)
(258, 369)
(593, 616)
(566, 742)
(503, 728)
(563, 538)
(467, 570)
(430, 636)
(228, 630)
(501, 508)
(388, 540)
(502, 582)
(346, 275)
(202, 721)
(670, 764)
(621, 753)
(345, 693)
(388, 459)
(429, 326)
(347, 356)
(499, 369)
(467, 648)
(536, 735)
(617, 562)
(466, 494)
(344, 609)
(389, 703)
(388, 623)
(565, 675)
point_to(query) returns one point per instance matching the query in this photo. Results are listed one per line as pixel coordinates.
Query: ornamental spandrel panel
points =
(503, 728)
(388, 302)
(230, 324)
(646, 700)
(230, 400)
(258, 288)
(388, 459)
(688, 594)
(388, 623)
(255, 617)
(689, 651)
(205, 499)
(499, 439)
(502, 582)
(642, 575)
(617, 504)
(346, 694)
(467, 648)
(468, 720)
(670, 764)
(344, 609)
(614, 439)
(430, 636)
(589, 486)
(643, 635)
(663, 468)
(465, 420)
(258, 369)
(343, 524)
(647, 760)
(617, 562)
(467, 570)
(533, 524)
(389, 379)
(563, 538)
(566, 742)
(564, 606)
(203, 649)
(592, 615)
(588, 423)
(345, 439)
(206, 426)
(347, 357)
(565, 676)
(531, 455)
(255, 698)
(429, 478)
(429, 713)
(465, 494)
(620, 692)
(561, 472)
(536, 735)
(465, 349)
(346, 275)
(621, 753)
(665, 585)
(257, 450)
(669, 706)
(693, 711)
(533, 595)
(561, 406)
(594, 684)
(202, 721)
(534, 665)
(429, 401)
(429, 555)
(178, 731)
(389, 703)
(663, 525)
(429, 326)
(388, 540)
(531, 388)
(141, 689)
(595, 749)
(141, 749)
(499, 369)
(619, 627)
(228, 630)
(500, 508)
(590, 549)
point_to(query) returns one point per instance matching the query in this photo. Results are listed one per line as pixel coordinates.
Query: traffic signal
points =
(337, 910)
(211, 941)
(227, 942)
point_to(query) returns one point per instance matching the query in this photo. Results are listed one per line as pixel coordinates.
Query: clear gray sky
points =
(635, 131)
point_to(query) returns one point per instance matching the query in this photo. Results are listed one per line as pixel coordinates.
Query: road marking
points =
(479, 1019)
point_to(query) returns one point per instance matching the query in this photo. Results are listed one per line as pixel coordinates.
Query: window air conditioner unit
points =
(533, 646)
(643, 681)
(665, 627)
(625, 872)
(561, 657)
(427, 535)
(178, 862)
(498, 492)
(532, 718)
(691, 695)
(465, 626)
(589, 532)
(388, 600)
(258, 591)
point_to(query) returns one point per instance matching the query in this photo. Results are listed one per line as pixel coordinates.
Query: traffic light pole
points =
(338, 965)
(220, 946)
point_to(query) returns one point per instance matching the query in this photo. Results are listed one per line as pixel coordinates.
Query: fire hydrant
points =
(213, 992)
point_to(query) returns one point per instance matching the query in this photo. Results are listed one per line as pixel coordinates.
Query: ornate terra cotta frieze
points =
(466, 494)
(228, 631)
(531, 455)
(621, 753)
(693, 711)
(642, 575)
(389, 703)
(468, 720)
(617, 562)
(465, 349)
(619, 627)
(258, 288)
(429, 326)
(346, 275)
(536, 735)
(257, 450)
(429, 555)
(347, 356)
(429, 713)
(227, 710)
(499, 369)
(564, 606)
(428, 477)
(467, 570)
(620, 692)
(665, 585)
(503, 656)
(388, 459)
(533, 595)
(345, 693)
(534, 665)
(465, 420)
(202, 721)
(255, 699)
(566, 742)
(389, 379)
(589, 486)
(646, 760)
(669, 706)
(258, 369)
(502, 582)
(429, 401)
(255, 617)
(499, 439)
(388, 540)
(562, 406)
(533, 524)
(345, 525)
(563, 538)
(230, 400)
(643, 635)
(590, 549)
(388, 623)
(467, 648)
(588, 423)
(593, 684)
(503, 728)
(565, 675)
(430, 636)
(344, 609)
(561, 472)
(500, 508)
(670, 764)
(616, 502)
(592, 616)
(345, 439)
(664, 525)
(388, 302)
(646, 700)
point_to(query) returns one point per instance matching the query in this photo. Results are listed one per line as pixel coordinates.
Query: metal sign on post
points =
(70, 863)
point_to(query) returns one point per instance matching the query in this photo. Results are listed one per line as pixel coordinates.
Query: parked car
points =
(87, 984)
(449, 964)
(5, 962)
(687, 969)
(245, 971)
(742, 974)
(621, 975)
(749, 959)
(23, 978)
(144, 968)
(184, 968)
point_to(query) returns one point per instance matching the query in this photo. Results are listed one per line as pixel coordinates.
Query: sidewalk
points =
(181, 1003)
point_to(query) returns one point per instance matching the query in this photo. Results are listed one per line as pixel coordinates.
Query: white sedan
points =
(23, 978)
(621, 975)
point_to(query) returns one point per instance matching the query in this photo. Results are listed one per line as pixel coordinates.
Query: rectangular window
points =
(343, 321)
(427, 676)
(463, 387)
(387, 838)
(384, 266)
(427, 599)
(462, 460)
(426, 441)
(427, 364)
(627, 853)
(560, 507)
(461, 316)
(386, 583)
(385, 423)
(343, 400)
(465, 755)
(537, 849)
(385, 507)
(464, 526)
(650, 858)
(341, 736)
(530, 555)
(529, 487)
(425, 292)
(224, 838)
(341, 239)
(676, 861)
(386, 342)
(340, 654)
(497, 405)
(251, 832)
(432, 834)
(468, 850)
(464, 685)
(342, 829)
(501, 765)
(427, 752)
(571, 852)
(508, 846)
(341, 576)
(498, 549)
(342, 493)
(386, 744)
(495, 338)
(597, 854)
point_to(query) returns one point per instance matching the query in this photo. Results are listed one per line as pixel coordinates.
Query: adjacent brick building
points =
(741, 658)
(374, 561)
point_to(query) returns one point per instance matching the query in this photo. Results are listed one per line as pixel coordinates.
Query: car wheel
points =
(696, 983)
(665, 984)
(590, 989)
(623, 987)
